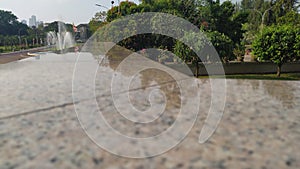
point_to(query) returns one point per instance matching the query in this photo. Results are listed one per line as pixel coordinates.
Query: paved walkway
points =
(39, 127)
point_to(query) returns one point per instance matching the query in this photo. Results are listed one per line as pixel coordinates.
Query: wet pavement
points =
(39, 126)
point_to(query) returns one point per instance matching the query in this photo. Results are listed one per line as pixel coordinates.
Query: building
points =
(32, 21)
(82, 34)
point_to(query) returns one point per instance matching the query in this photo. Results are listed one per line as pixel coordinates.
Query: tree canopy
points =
(9, 24)
(278, 44)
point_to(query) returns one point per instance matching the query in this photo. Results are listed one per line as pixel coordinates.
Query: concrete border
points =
(251, 68)
(18, 55)
(243, 68)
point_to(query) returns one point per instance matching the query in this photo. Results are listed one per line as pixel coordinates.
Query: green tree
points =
(225, 18)
(247, 5)
(9, 25)
(186, 52)
(203, 44)
(97, 21)
(291, 17)
(259, 14)
(283, 7)
(223, 44)
(222, 21)
(279, 44)
(126, 8)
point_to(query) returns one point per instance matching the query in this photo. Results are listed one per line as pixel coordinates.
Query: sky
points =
(70, 11)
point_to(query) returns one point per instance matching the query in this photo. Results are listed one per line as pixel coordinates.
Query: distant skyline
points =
(70, 11)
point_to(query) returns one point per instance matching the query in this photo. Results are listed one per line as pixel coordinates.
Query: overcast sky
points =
(77, 11)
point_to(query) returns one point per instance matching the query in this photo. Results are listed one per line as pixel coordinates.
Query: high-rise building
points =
(32, 21)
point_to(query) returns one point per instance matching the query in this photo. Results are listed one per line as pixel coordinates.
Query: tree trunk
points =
(197, 69)
(278, 70)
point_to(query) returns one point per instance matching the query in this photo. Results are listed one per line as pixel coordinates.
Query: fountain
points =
(61, 39)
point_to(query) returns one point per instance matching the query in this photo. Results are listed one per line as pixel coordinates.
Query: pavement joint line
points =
(83, 100)
(38, 110)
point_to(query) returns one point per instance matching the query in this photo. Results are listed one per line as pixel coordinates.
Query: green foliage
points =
(16, 36)
(227, 25)
(222, 18)
(184, 52)
(9, 40)
(126, 8)
(284, 7)
(278, 44)
(259, 13)
(236, 33)
(13, 34)
(9, 25)
(223, 44)
(191, 47)
(247, 4)
(97, 21)
(239, 51)
(296, 47)
(94, 25)
(291, 17)
(263, 12)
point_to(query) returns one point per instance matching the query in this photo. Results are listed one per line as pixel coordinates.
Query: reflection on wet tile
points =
(260, 127)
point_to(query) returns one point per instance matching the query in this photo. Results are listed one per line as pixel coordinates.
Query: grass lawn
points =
(284, 76)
